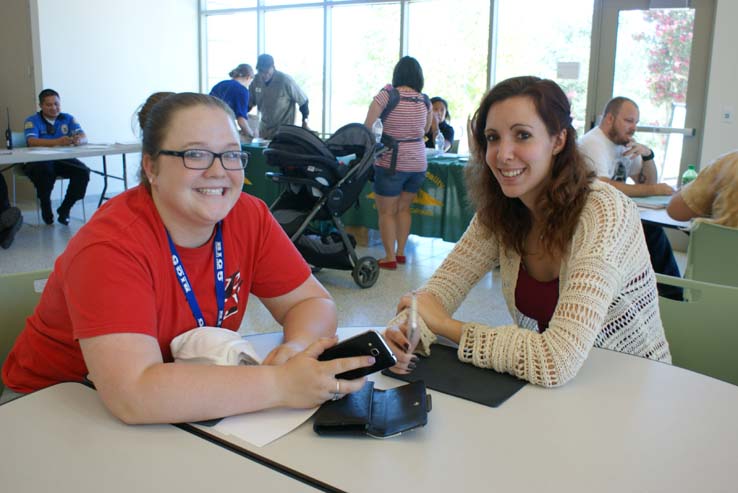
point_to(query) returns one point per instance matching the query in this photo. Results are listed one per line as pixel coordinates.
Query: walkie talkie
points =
(8, 133)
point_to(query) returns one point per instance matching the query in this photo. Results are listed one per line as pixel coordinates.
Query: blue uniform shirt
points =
(234, 94)
(36, 126)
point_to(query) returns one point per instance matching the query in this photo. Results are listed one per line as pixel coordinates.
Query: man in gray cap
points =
(276, 94)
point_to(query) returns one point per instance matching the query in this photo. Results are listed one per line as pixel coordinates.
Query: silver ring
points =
(337, 393)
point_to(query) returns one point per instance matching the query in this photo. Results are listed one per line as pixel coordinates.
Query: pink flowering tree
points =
(669, 46)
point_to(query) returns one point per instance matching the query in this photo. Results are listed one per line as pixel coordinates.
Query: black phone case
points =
(368, 343)
(373, 412)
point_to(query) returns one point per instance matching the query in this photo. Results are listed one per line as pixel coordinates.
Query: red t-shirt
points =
(116, 275)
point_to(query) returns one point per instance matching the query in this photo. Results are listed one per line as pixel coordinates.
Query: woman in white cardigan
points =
(574, 265)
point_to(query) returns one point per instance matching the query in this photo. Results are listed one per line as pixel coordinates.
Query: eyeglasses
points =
(203, 159)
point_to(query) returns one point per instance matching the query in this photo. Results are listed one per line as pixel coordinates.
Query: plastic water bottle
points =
(440, 142)
(257, 124)
(377, 129)
(689, 175)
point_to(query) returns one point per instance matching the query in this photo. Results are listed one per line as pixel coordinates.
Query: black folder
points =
(442, 371)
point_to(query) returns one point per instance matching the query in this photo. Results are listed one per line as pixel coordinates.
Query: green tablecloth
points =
(255, 182)
(439, 211)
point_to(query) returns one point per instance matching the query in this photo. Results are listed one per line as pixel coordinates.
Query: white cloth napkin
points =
(213, 346)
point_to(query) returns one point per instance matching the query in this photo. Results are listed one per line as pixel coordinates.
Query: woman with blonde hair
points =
(713, 195)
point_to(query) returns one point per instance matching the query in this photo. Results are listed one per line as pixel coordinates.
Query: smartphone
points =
(369, 343)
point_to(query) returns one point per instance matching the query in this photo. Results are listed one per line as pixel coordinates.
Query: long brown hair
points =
(566, 191)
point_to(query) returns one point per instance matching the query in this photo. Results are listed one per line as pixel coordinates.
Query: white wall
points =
(104, 57)
(721, 137)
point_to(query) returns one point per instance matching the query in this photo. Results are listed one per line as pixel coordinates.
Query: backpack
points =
(394, 99)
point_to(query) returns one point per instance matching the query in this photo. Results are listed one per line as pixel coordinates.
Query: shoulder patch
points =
(29, 124)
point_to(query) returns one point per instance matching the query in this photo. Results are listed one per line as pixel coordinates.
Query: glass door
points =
(656, 53)
(547, 39)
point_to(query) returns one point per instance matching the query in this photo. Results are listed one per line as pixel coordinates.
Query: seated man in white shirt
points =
(616, 156)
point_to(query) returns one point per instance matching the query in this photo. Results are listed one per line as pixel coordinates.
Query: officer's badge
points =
(64, 129)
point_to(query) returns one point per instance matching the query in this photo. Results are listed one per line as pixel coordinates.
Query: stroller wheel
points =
(366, 272)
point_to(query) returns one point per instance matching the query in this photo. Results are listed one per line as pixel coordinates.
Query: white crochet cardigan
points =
(607, 297)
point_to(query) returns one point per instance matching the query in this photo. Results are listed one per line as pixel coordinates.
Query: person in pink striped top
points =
(399, 172)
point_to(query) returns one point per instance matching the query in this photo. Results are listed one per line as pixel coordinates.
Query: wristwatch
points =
(648, 157)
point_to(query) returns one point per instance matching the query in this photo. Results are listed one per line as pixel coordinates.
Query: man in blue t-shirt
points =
(51, 128)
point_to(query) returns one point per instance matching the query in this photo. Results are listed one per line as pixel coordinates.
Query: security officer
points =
(51, 128)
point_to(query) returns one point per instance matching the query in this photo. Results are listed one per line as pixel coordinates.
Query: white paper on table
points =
(263, 427)
(96, 146)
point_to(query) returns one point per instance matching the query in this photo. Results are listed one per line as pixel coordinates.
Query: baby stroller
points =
(321, 180)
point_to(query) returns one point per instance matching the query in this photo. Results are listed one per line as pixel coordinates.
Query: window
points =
(287, 2)
(294, 37)
(449, 38)
(231, 40)
(549, 40)
(363, 55)
(229, 4)
(652, 68)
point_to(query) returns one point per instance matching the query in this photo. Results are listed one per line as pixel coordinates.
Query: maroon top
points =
(535, 299)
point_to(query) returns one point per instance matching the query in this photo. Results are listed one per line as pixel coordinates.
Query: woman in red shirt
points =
(182, 250)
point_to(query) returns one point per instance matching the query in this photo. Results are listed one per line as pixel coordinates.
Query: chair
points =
(454, 149)
(19, 293)
(711, 254)
(19, 140)
(702, 332)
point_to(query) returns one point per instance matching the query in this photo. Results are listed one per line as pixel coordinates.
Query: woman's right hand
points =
(305, 382)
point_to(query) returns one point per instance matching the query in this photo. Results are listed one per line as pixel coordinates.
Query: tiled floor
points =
(37, 246)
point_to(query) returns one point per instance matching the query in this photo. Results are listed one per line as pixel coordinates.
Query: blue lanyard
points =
(184, 281)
